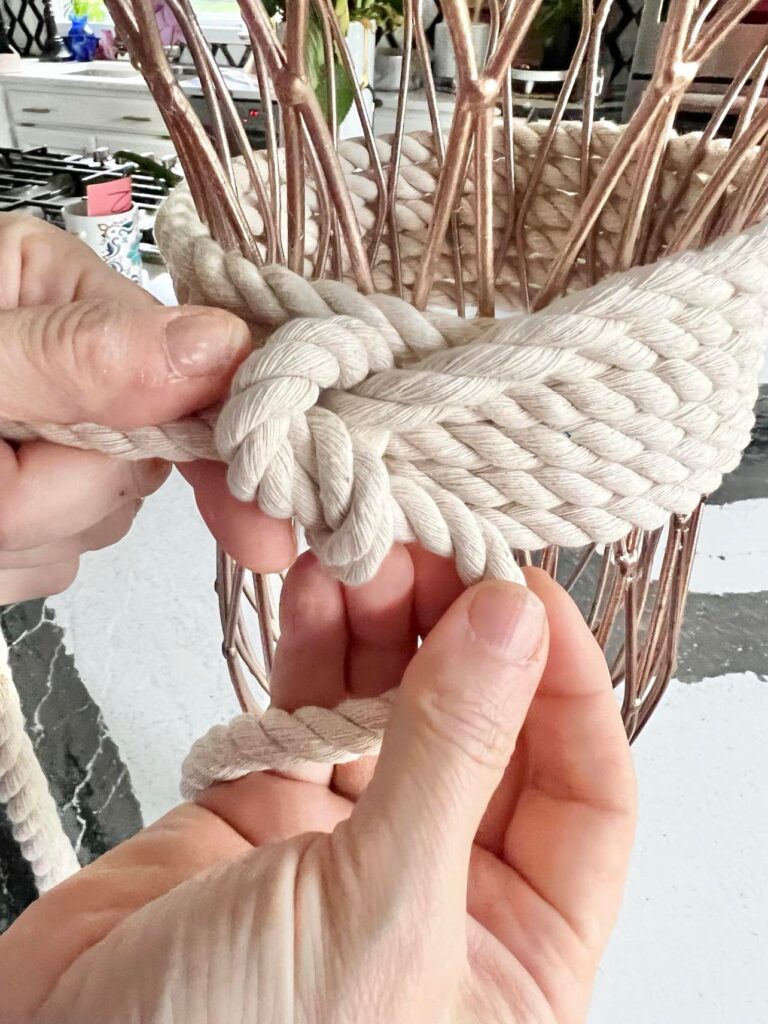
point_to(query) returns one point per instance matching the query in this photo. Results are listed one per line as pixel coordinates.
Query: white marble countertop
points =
(86, 75)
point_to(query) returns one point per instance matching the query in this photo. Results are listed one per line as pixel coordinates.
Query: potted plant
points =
(555, 32)
(359, 20)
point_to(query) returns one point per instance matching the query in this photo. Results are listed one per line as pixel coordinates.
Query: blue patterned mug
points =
(115, 237)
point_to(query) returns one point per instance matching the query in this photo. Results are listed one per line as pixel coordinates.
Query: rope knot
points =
(294, 456)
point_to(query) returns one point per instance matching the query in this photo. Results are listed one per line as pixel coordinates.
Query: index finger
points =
(41, 265)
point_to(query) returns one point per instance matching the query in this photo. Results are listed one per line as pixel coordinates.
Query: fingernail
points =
(204, 344)
(508, 618)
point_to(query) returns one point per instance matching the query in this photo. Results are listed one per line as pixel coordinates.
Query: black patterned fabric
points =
(26, 25)
(620, 38)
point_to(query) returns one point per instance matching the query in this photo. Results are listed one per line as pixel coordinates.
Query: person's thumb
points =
(119, 364)
(456, 719)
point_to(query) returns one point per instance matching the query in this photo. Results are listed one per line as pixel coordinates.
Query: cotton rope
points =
(34, 820)
(371, 422)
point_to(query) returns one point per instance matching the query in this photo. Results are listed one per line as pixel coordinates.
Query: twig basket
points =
(509, 425)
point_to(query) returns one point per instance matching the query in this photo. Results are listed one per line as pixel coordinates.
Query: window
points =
(211, 13)
(224, 10)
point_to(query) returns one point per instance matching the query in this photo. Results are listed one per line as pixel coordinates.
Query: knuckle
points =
(19, 230)
(471, 722)
(77, 339)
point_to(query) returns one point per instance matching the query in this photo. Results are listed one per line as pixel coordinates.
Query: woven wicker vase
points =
(581, 437)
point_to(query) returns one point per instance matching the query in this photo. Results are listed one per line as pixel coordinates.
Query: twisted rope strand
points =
(610, 410)
(370, 421)
(280, 741)
(35, 823)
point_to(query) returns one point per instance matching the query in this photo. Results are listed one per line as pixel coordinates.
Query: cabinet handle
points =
(36, 110)
(133, 117)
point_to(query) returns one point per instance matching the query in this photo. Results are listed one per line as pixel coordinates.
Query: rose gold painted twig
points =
(702, 16)
(630, 702)
(448, 186)
(329, 59)
(298, 100)
(189, 137)
(719, 182)
(671, 76)
(203, 60)
(265, 617)
(233, 120)
(473, 95)
(754, 93)
(606, 569)
(686, 530)
(641, 201)
(512, 34)
(664, 218)
(508, 111)
(622, 557)
(718, 28)
(584, 559)
(738, 215)
(510, 175)
(232, 577)
(459, 141)
(591, 73)
(297, 27)
(262, 35)
(422, 48)
(549, 560)
(484, 212)
(272, 208)
(370, 142)
(222, 108)
(545, 146)
(326, 220)
(393, 169)
(493, 28)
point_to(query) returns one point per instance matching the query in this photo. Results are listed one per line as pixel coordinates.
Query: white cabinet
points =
(74, 107)
(75, 140)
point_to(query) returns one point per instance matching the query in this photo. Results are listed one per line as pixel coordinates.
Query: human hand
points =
(475, 879)
(80, 343)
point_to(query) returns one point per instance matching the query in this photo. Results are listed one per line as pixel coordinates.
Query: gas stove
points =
(42, 182)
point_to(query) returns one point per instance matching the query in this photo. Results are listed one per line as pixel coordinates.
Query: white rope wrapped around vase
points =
(370, 421)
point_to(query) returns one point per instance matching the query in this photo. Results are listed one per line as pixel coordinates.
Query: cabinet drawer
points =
(144, 145)
(66, 140)
(132, 113)
(74, 140)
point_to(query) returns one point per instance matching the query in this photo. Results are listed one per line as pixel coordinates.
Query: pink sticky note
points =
(110, 197)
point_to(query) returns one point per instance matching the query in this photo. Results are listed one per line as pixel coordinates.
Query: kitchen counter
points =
(77, 75)
(98, 73)
(79, 107)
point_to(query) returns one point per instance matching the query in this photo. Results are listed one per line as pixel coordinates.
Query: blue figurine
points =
(81, 41)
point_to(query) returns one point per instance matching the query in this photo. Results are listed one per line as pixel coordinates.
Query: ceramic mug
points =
(115, 237)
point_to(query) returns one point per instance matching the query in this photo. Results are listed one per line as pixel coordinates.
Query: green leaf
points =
(317, 73)
(342, 13)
